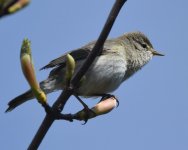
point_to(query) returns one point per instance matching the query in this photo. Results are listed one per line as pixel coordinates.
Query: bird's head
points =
(142, 44)
(139, 49)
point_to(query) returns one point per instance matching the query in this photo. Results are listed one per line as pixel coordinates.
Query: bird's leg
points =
(57, 114)
(106, 96)
(86, 109)
(80, 100)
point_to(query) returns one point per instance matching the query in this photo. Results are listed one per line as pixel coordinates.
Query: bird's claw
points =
(117, 103)
(88, 114)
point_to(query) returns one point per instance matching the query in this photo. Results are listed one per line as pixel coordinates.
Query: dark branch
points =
(61, 101)
(47, 122)
(99, 44)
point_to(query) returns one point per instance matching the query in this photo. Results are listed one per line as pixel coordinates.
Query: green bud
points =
(11, 6)
(29, 71)
(18, 5)
(70, 67)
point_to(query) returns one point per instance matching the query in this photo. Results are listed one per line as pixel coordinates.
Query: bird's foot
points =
(85, 114)
(88, 114)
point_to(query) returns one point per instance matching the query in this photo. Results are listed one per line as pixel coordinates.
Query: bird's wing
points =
(77, 54)
(60, 61)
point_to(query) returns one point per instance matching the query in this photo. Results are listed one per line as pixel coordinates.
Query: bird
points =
(119, 59)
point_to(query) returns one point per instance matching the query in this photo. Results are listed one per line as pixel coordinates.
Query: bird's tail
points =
(19, 100)
(47, 86)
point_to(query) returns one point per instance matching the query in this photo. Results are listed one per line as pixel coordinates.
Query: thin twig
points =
(62, 99)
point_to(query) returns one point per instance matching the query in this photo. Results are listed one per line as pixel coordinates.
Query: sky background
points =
(153, 111)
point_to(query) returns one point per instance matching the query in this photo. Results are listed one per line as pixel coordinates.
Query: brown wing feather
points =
(76, 54)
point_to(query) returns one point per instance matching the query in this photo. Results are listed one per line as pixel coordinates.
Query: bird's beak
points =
(155, 53)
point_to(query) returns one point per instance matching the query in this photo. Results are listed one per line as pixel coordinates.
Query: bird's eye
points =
(144, 45)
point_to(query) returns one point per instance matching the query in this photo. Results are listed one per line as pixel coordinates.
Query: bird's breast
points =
(104, 76)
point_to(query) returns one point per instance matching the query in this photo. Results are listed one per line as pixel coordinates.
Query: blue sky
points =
(153, 111)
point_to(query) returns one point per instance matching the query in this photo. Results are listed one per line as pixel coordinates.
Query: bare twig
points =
(62, 99)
